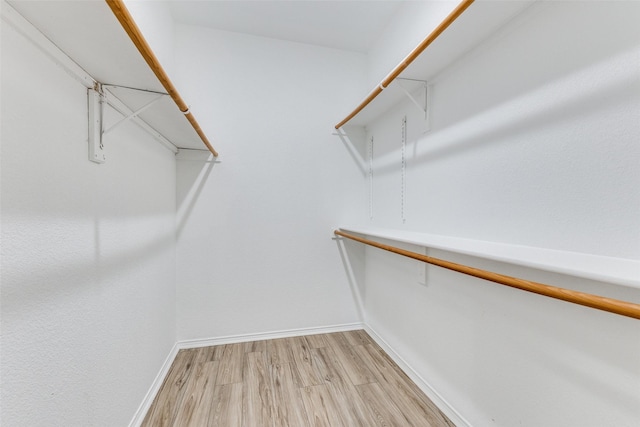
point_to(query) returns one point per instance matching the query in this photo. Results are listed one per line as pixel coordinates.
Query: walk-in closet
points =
(320, 213)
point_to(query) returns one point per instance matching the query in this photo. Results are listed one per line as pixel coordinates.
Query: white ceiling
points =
(347, 24)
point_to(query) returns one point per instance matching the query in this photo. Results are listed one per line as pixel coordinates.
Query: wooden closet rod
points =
(464, 4)
(622, 308)
(126, 20)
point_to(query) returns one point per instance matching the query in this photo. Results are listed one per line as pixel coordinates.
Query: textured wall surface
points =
(533, 141)
(254, 232)
(88, 254)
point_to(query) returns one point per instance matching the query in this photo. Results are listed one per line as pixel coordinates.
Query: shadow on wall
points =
(547, 42)
(522, 335)
(533, 74)
(352, 255)
(556, 102)
(65, 270)
(192, 180)
(354, 140)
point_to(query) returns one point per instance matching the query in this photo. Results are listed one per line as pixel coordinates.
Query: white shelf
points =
(89, 34)
(479, 21)
(618, 271)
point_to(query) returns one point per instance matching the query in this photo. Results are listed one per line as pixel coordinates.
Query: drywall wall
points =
(88, 253)
(254, 251)
(413, 21)
(533, 142)
(155, 21)
(535, 105)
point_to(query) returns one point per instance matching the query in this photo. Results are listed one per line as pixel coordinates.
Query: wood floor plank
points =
(351, 362)
(255, 346)
(257, 395)
(226, 406)
(385, 412)
(196, 402)
(302, 363)
(399, 393)
(230, 368)
(357, 337)
(316, 341)
(384, 354)
(214, 352)
(408, 397)
(164, 408)
(288, 405)
(336, 379)
(278, 351)
(353, 408)
(321, 407)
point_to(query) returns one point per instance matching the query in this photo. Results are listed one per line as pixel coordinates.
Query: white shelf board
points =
(476, 24)
(620, 271)
(89, 33)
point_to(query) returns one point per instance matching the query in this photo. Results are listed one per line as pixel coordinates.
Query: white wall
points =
(255, 253)
(88, 254)
(155, 21)
(413, 21)
(533, 141)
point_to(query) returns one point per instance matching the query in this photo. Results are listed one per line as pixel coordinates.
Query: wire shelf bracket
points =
(422, 105)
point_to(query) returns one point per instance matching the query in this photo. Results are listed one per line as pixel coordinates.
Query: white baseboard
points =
(232, 339)
(435, 397)
(138, 417)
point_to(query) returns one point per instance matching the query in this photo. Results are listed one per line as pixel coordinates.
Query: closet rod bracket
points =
(135, 113)
(96, 101)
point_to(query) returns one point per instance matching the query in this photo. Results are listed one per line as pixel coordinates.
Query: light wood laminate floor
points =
(333, 380)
